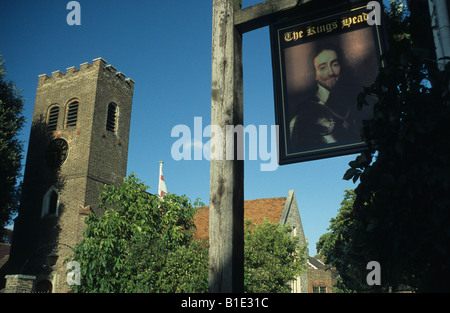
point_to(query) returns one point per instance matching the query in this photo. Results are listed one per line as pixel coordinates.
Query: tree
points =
(337, 248)
(11, 122)
(272, 257)
(185, 269)
(111, 250)
(402, 206)
(143, 244)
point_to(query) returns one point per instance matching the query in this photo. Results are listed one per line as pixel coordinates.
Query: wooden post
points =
(226, 208)
(440, 26)
(264, 13)
(226, 218)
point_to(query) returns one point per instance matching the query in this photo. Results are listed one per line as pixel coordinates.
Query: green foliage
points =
(111, 250)
(338, 248)
(11, 122)
(143, 244)
(186, 269)
(401, 212)
(272, 259)
(159, 269)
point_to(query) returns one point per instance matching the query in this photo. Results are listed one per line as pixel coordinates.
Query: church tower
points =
(78, 143)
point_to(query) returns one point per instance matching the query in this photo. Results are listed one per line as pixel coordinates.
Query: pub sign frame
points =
(315, 99)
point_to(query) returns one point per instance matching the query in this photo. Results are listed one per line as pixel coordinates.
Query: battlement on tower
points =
(98, 64)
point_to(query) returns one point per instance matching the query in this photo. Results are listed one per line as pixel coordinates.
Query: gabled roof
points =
(258, 209)
(316, 263)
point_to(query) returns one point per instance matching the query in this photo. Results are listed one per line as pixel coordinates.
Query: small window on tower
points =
(72, 114)
(50, 203)
(52, 122)
(111, 120)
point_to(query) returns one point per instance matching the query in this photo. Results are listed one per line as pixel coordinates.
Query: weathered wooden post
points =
(226, 208)
(226, 259)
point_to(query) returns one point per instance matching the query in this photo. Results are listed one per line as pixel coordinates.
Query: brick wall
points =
(321, 276)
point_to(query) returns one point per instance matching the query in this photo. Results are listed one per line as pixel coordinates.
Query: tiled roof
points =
(316, 263)
(270, 208)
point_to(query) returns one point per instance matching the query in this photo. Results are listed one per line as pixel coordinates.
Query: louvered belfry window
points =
(111, 120)
(52, 123)
(72, 114)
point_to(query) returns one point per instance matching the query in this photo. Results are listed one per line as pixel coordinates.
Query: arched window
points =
(50, 203)
(52, 120)
(111, 119)
(72, 114)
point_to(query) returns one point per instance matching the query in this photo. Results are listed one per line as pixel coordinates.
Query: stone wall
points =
(19, 283)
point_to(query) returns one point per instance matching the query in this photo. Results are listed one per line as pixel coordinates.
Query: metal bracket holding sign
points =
(321, 62)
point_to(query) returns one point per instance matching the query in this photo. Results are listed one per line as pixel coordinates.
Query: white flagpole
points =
(162, 189)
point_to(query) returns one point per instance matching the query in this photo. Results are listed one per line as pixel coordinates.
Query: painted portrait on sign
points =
(323, 66)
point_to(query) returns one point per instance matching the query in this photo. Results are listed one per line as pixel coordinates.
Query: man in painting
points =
(327, 114)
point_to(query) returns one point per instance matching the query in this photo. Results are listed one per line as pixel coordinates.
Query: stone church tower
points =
(78, 143)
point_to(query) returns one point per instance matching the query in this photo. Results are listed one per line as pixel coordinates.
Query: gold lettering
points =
(349, 21)
(293, 36)
(311, 30)
(330, 27)
(346, 22)
(316, 29)
(298, 35)
(288, 36)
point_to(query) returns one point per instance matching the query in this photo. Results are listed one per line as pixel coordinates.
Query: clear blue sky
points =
(165, 46)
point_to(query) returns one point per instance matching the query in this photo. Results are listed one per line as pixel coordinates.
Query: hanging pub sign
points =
(321, 62)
